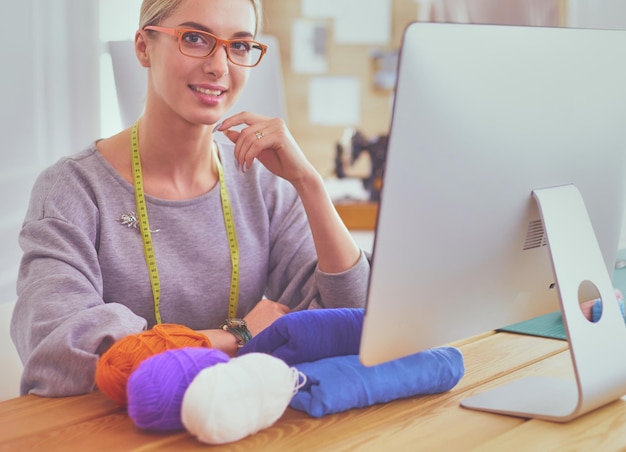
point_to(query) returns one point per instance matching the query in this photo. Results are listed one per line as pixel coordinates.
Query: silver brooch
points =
(130, 220)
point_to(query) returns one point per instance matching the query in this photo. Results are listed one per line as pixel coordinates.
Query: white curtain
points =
(67, 68)
(504, 12)
(48, 103)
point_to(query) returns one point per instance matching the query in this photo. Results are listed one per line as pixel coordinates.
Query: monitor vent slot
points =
(535, 235)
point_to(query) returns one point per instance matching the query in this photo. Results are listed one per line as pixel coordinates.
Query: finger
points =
(240, 119)
(253, 140)
(232, 135)
(231, 121)
(238, 138)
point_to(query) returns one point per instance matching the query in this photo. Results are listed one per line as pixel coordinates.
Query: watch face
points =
(236, 323)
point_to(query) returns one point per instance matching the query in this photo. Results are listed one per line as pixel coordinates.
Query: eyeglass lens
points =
(198, 44)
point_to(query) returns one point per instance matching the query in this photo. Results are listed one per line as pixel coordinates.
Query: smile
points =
(208, 92)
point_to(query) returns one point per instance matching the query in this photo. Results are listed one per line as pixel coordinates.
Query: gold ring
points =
(259, 135)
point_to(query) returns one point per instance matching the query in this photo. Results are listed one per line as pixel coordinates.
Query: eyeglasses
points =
(201, 44)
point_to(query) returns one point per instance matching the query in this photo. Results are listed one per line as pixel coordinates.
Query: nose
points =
(217, 64)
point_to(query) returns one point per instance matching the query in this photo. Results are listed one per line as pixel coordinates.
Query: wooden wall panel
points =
(318, 141)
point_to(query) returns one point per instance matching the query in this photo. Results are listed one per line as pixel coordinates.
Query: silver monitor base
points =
(600, 370)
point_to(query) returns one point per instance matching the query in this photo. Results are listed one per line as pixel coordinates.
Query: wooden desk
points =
(437, 422)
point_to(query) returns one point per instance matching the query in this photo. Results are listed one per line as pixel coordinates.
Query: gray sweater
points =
(83, 281)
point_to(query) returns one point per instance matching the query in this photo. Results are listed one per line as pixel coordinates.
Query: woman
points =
(160, 224)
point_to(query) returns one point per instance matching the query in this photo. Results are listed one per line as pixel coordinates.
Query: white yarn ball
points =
(232, 400)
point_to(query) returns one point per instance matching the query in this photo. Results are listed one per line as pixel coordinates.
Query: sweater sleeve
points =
(61, 323)
(295, 278)
(344, 290)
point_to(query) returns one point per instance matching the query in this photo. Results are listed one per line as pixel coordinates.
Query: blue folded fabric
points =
(341, 383)
(305, 336)
(596, 312)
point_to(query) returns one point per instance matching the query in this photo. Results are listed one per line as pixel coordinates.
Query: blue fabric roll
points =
(305, 336)
(341, 383)
(596, 312)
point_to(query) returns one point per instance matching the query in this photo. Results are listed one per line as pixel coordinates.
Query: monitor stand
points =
(600, 374)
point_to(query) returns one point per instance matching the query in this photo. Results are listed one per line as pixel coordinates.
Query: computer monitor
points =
(502, 199)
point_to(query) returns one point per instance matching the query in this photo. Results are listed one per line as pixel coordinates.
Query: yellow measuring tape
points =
(144, 228)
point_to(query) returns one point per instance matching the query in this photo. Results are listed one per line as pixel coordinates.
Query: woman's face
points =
(200, 90)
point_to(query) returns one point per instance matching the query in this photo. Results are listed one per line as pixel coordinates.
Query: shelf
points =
(358, 215)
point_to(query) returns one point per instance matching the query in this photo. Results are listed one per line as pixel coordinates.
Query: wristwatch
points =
(239, 329)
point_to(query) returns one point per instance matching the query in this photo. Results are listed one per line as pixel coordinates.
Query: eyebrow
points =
(200, 27)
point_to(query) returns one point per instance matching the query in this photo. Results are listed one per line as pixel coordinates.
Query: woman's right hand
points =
(264, 314)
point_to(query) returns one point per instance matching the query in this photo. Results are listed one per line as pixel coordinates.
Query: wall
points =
(596, 14)
(318, 142)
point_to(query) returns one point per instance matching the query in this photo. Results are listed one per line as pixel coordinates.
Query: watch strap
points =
(239, 329)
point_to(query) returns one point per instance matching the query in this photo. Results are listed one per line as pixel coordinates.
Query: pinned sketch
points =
(386, 64)
(335, 101)
(321, 8)
(308, 47)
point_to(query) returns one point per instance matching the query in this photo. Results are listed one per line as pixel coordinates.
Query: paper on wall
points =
(354, 22)
(320, 8)
(358, 24)
(335, 101)
(308, 47)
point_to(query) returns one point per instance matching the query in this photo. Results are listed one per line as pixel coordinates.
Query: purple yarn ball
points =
(156, 388)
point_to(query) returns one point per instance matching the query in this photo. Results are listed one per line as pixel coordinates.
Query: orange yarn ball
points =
(117, 364)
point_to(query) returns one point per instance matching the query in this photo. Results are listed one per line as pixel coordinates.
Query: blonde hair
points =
(154, 11)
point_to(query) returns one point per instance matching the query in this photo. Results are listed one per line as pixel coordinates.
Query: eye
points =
(241, 46)
(194, 38)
